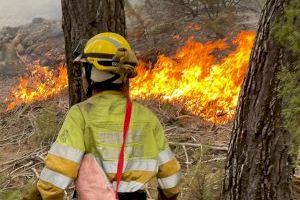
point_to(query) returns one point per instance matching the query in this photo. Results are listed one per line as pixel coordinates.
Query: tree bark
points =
(82, 20)
(259, 165)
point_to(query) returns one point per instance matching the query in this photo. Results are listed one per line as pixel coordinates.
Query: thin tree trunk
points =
(259, 164)
(83, 19)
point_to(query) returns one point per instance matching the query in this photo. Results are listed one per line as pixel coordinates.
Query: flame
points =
(195, 78)
(41, 84)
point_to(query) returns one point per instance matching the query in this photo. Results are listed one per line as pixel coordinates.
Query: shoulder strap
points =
(121, 155)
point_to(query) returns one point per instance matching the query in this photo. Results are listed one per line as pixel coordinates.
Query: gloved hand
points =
(33, 193)
(127, 61)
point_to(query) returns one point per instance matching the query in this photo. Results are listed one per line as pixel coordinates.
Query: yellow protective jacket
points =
(96, 126)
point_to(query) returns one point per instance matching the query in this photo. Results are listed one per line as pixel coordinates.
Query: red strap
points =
(121, 156)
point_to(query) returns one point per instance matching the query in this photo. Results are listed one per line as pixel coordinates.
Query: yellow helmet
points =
(110, 52)
(110, 35)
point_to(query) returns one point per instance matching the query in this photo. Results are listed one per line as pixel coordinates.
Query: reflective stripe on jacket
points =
(96, 126)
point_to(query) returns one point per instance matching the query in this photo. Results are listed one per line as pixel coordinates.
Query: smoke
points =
(18, 12)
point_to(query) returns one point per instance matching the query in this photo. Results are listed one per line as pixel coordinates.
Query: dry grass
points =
(28, 131)
(204, 180)
(200, 147)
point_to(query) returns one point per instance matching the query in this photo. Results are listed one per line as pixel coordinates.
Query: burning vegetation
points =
(194, 78)
(40, 84)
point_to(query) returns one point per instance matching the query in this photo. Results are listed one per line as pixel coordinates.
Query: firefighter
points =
(95, 126)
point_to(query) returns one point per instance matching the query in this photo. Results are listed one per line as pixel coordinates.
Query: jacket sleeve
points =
(63, 160)
(168, 175)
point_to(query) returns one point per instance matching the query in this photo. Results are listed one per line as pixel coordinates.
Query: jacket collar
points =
(109, 92)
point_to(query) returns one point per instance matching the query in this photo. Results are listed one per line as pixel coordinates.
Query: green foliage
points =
(3, 177)
(287, 32)
(204, 180)
(16, 194)
(287, 29)
(290, 91)
(46, 126)
(11, 195)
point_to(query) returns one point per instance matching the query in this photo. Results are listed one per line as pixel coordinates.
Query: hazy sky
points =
(16, 12)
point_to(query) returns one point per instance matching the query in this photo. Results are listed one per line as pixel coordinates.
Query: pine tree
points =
(82, 20)
(260, 161)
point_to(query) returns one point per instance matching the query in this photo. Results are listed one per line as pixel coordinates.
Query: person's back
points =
(95, 127)
(146, 149)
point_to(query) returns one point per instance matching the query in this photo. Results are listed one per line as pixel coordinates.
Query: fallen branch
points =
(35, 172)
(23, 166)
(11, 137)
(184, 116)
(170, 128)
(213, 147)
(14, 162)
(214, 159)
(186, 157)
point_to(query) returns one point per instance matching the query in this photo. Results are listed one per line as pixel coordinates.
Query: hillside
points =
(158, 35)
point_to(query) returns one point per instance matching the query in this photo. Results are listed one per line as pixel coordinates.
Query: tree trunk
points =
(82, 20)
(259, 164)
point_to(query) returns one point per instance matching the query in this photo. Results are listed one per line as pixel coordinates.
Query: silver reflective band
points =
(131, 186)
(165, 156)
(117, 137)
(143, 165)
(112, 153)
(55, 178)
(106, 59)
(114, 42)
(66, 152)
(169, 182)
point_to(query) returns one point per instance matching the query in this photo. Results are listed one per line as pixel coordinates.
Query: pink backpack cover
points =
(92, 182)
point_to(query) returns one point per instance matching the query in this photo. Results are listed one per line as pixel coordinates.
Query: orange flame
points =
(196, 80)
(41, 84)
